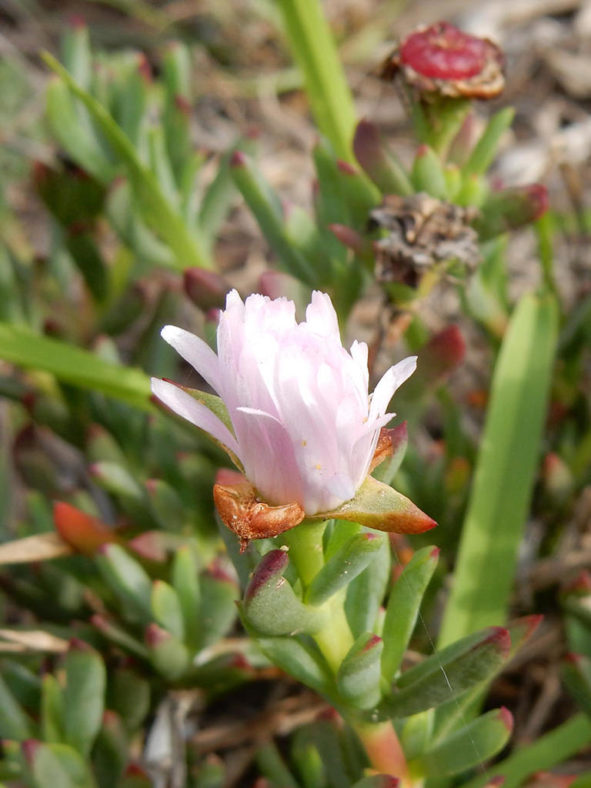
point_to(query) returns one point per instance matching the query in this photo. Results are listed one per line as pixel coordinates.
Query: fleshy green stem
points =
(384, 750)
(305, 549)
(334, 641)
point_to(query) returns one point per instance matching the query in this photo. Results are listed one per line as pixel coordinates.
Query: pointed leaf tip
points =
(501, 638)
(377, 505)
(81, 531)
(272, 565)
(238, 159)
(506, 718)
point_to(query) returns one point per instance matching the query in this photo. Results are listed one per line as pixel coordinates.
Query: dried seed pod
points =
(422, 231)
(444, 61)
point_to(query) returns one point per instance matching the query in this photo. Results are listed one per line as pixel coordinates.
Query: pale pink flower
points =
(304, 427)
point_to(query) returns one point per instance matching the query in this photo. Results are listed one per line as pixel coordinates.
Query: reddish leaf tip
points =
(155, 635)
(506, 717)
(346, 168)
(500, 637)
(182, 104)
(238, 159)
(272, 565)
(76, 644)
(573, 659)
(374, 641)
(29, 749)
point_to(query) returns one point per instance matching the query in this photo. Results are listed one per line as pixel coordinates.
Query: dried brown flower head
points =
(422, 231)
(443, 60)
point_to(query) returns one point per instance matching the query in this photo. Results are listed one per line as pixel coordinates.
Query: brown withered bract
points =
(250, 518)
(422, 231)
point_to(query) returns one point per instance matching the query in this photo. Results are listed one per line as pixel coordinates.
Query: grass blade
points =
(19, 345)
(505, 471)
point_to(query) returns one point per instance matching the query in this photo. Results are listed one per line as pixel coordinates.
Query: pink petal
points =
(321, 317)
(198, 414)
(196, 352)
(391, 380)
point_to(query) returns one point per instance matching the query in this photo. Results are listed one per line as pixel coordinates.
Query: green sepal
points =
(403, 608)
(218, 408)
(447, 674)
(470, 746)
(14, 723)
(127, 579)
(83, 696)
(345, 565)
(166, 608)
(377, 781)
(379, 506)
(270, 604)
(387, 470)
(358, 678)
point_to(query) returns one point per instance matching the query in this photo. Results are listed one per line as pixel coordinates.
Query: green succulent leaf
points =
(447, 674)
(478, 741)
(14, 723)
(83, 696)
(166, 607)
(403, 608)
(19, 345)
(271, 606)
(358, 678)
(343, 567)
(376, 505)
